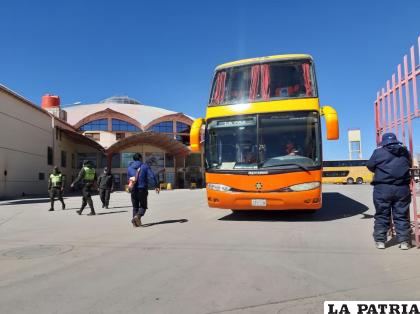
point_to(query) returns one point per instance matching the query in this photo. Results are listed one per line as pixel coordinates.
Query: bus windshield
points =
(264, 141)
(263, 82)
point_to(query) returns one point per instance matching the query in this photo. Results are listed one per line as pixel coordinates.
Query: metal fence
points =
(396, 106)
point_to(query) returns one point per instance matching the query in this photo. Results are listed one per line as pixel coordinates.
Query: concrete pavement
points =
(193, 259)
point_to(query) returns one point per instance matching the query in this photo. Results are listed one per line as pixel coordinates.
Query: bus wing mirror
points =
(195, 135)
(331, 121)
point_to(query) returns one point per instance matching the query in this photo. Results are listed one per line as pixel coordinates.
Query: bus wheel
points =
(350, 181)
(359, 180)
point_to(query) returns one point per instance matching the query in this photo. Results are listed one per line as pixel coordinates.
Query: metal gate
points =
(396, 107)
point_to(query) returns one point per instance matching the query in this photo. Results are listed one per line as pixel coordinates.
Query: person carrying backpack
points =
(141, 177)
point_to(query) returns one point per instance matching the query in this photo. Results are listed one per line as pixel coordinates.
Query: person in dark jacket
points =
(88, 177)
(106, 186)
(391, 193)
(143, 175)
(56, 187)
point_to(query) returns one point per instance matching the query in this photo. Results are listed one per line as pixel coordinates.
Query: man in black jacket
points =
(106, 185)
(391, 193)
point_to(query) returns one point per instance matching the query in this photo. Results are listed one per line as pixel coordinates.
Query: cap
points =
(388, 139)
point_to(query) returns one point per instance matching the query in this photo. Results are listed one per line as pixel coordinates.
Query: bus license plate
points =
(258, 202)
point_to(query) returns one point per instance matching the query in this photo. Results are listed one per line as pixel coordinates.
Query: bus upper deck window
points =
(290, 80)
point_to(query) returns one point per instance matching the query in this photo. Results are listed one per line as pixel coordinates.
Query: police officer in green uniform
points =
(56, 187)
(88, 177)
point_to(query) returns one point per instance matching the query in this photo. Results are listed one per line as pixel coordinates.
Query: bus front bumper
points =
(304, 200)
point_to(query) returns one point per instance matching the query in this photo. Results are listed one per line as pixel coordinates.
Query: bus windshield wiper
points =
(288, 164)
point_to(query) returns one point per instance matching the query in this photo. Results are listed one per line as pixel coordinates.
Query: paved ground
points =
(192, 259)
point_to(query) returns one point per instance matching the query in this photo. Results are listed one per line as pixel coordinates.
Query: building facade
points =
(123, 126)
(108, 133)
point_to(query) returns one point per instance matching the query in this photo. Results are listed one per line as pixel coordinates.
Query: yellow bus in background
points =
(346, 171)
(262, 135)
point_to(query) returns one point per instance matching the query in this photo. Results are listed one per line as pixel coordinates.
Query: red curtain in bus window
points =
(265, 81)
(219, 91)
(255, 77)
(307, 78)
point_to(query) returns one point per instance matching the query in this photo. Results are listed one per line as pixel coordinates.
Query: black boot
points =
(51, 210)
(91, 214)
(79, 211)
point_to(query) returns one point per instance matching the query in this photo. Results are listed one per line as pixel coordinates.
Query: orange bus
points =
(262, 135)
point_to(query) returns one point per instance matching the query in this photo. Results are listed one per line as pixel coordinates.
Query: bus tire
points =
(359, 180)
(350, 180)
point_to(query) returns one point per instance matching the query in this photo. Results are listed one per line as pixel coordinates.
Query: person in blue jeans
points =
(140, 191)
(391, 193)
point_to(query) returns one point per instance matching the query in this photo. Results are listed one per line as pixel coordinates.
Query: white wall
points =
(25, 134)
(106, 138)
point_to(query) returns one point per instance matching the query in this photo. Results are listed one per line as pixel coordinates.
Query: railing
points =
(396, 106)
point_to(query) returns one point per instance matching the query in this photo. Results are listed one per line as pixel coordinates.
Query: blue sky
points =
(163, 53)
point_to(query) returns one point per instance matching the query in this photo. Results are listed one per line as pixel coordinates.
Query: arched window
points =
(120, 125)
(162, 127)
(96, 125)
(182, 127)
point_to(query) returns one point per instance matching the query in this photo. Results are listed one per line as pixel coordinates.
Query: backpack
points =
(151, 182)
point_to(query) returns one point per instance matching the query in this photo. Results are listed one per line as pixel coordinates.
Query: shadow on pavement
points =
(334, 206)
(165, 222)
(127, 206)
(367, 216)
(394, 242)
(113, 212)
(26, 201)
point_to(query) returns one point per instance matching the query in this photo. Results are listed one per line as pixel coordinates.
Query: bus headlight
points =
(305, 186)
(218, 187)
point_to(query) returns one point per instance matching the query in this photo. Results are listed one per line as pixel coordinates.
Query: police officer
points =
(88, 176)
(56, 187)
(106, 185)
(391, 193)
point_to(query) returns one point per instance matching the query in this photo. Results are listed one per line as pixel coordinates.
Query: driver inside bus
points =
(291, 149)
(251, 158)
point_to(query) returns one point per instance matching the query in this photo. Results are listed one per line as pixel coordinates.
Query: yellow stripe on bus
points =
(263, 107)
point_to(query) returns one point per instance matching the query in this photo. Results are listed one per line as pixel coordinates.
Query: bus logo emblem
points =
(258, 185)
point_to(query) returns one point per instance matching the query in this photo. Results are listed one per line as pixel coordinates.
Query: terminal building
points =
(108, 133)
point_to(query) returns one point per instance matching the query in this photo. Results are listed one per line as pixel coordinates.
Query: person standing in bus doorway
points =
(106, 186)
(391, 193)
(88, 177)
(56, 187)
(143, 177)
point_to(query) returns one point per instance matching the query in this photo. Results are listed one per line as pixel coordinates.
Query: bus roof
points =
(263, 59)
